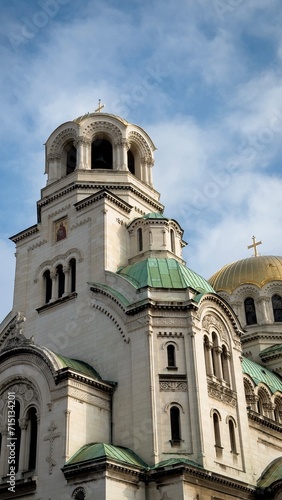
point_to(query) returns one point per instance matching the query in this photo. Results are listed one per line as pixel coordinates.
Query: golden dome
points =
(254, 270)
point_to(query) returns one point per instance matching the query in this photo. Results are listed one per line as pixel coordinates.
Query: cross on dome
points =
(254, 246)
(100, 106)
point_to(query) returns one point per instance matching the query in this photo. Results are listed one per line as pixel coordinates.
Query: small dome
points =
(164, 273)
(254, 270)
(154, 215)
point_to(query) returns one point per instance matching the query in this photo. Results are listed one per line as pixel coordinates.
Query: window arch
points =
(47, 285)
(130, 162)
(175, 424)
(78, 494)
(216, 430)
(250, 311)
(278, 409)
(232, 437)
(263, 402)
(139, 239)
(277, 307)
(101, 154)
(171, 359)
(172, 241)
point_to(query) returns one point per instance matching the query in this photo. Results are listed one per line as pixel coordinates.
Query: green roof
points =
(261, 374)
(164, 273)
(77, 365)
(98, 451)
(271, 474)
(174, 462)
(154, 215)
(274, 349)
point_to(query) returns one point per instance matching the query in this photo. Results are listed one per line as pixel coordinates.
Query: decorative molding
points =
(173, 386)
(59, 211)
(36, 245)
(90, 186)
(107, 313)
(221, 393)
(65, 135)
(210, 321)
(80, 223)
(103, 126)
(51, 437)
(24, 390)
(136, 138)
(170, 334)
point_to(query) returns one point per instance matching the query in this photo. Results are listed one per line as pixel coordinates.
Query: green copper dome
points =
(154, 215)
(261, 374)
(164, 273)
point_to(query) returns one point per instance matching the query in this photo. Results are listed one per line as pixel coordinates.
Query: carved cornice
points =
(103, 194)
(25, 234)
(264, 421)
(91, 186)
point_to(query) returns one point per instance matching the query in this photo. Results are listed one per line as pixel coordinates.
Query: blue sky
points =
(203, 77)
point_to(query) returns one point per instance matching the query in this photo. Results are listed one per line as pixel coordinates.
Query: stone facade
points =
(118, 343)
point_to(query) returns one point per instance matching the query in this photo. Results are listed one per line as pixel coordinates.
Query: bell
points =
(99, 162)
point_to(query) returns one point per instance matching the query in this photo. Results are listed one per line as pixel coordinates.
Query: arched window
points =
(78, 494)
(216, 430)
(17, 435)
(232, 437)
(61, 280)
(277, 307)
(71, 158)
(101, 154)
(175, 424)
(139, 239)
(250, 311)
(72, 266)
(171, 356)
(32, 438)
(172, 241)
(130, 162)
(47, 286)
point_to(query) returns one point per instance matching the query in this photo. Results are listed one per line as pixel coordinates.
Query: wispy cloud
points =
(204, 82)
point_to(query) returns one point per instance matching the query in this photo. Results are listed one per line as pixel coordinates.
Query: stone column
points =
(208, 357)
(23, 451)
(66, 270)
(53, 276)
(54, 164)
(218, 366)
(4, 452)
(83, 145)
(265, 310)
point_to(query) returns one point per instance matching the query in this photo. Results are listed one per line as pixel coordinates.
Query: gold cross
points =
(100, 106)
(254, 245)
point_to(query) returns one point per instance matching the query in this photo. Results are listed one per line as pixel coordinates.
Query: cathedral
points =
(124, 374)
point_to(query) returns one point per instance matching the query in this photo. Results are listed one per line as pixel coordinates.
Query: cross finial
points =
(254, 245)
(100, 106)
